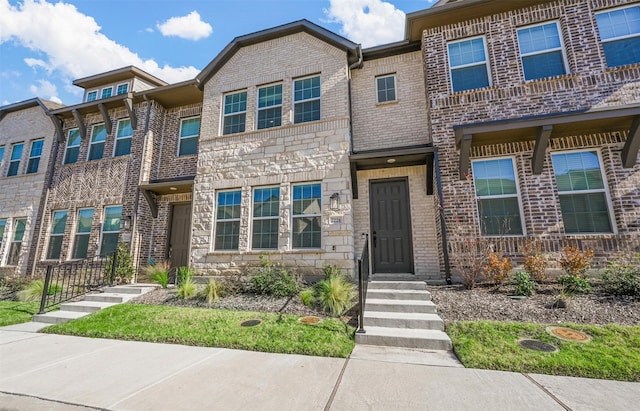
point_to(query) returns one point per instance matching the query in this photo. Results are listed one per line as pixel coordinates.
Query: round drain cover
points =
(568, 334)
(250, 323)
(310, 319)
(537, 345)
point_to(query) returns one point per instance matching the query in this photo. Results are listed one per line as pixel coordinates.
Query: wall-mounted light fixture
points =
(334, 202)
(125, 222)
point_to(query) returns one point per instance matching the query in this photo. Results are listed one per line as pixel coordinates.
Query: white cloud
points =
(190, 27)
(368, 22)
(64, 34)
(45, 88)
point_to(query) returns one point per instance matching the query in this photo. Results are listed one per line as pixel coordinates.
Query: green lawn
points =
(15, 312)
(214, 328)
(613, 353)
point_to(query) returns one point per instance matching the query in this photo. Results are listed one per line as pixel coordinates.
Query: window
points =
(386, 88)
(92, 95)
(73, 147)
(16, 243)
(122, 88)
(123, 138)
(58, 223)
(228, 220)
(306, 215)
(34, 156)
(98, 137)
(306, 99)
(497, 196)
(83, 232)
(266, 212)
(1, 156)
(468, 64)
(106, 92)
(110, 230)
(541, 51)
(189, 131)
(14, 161)
(3, 225)
(270, 106)
(620, 35)
(235, 112)
(583, 198)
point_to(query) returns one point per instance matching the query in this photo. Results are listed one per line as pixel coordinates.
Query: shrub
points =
(574, 285)
(33, 291)
(535, 263)
(308, 296)
(124, 265)
(184, 273)
(271, 279)
(213, 291)
(335, 293)
(158, 273)
(187, 288)
(497, 269)
(622, 278)
(470, 257)
(574, 261)
(524, 284)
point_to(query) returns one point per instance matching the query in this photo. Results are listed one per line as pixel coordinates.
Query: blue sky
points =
(45, 45)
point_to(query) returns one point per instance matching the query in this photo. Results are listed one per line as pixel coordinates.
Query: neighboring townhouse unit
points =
(27, 137)
(534, 108)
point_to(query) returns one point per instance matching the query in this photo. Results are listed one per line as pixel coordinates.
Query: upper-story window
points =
(34, 156)
(73, 147)
(386, 88)
(14, 161)
(123, 138)
(620, 35)
(1, 156)
(106, 92)
(541, 51)
(92, 95)
(189, 131)
(98, 138)
(306, 99)
(468, 64)
(122, 88)
(235, 113)
(270, 106)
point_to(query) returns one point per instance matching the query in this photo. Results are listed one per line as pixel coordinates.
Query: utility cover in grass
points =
(568, 334)
(310, 319)
(250, 323)
(537, 345)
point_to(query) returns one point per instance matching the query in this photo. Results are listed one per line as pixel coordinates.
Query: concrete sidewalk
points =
(53, 372)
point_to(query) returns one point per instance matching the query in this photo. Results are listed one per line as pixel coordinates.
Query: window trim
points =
(562, 48)
(2, 151)
(12, 240)
(294, 101)
(486, 62)
(64, 159)
(181, 137)
(235, 113)
(32, 157)
(259, 109)
(103, 90)
(19, 160)
(518, 196)
(89, 93)
(612, 39)
(395, 88)
(606, 189)
(116, 138)
(102, 230)
(87, 233)
(91, 142)
(52, 234)
(276, 217)
(216, 220)
(118, 86)
(2, 242)
(319, 215)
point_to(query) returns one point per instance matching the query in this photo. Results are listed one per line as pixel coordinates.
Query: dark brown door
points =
(391, 226)
(180, 232)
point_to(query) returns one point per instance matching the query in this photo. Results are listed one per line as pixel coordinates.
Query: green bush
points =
(33, 291)
(574, 285)
(622, 278)
(271, 279)
(187, 288)
(336, 294)
(124, 265)
(158, 273)
(184, 273)
(524, 284)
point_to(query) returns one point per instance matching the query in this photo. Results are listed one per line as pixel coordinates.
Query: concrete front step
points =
(85, 306)
(403, 320)
(124, 289)
(402, 337)
(400, 306)
(391, 294)
(397, 285)
(57, 317)
(109, 297)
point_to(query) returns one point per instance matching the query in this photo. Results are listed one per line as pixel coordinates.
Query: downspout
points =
(357, 64)
(443, 226)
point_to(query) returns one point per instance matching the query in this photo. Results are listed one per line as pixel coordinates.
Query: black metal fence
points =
(363, 281)
(70, 280)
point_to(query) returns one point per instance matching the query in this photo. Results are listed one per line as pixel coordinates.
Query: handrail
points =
(70, 280)
(363, 281)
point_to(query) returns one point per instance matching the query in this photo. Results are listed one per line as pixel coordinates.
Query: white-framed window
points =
(1, 157)
(122, 88)
(234, 113)
(582, 189)
(73, 147)
(620, 35)
(83, 233)
(541, 51)
(386, 88)
(3, 226)
(189, 132)
(58, 224)
(228, 220)
(110, 230)
(266, 218)
(124, 135)
(306, 215)
(468, 64)
(92, 95)
(498, 197)
(34, 156)
(306, 99)
(14, 161)
(98, 138)
(269, 106)
(106, 92)
(19, 227)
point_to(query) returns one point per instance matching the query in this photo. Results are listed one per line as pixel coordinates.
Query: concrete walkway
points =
(53, 372)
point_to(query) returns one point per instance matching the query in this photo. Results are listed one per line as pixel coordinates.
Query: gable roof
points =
(46, 106)
(273, 33)
(113, 76)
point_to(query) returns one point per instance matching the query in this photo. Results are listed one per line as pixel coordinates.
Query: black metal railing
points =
(363, 282)
(70, 280)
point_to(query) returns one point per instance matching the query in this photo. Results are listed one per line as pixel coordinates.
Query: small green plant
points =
(623, 277)
(187, 288)
(574, 285)
(524, 284)
(124, 265)
(184, 273)
(497, 269)
(574, 261)
(335, 293)
(308, 296)
(535, 263)
(158, 273)
(271, 279)
(213, 291)
(33, 291)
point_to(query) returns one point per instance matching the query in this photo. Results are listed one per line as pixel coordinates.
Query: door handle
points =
(375, 238)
